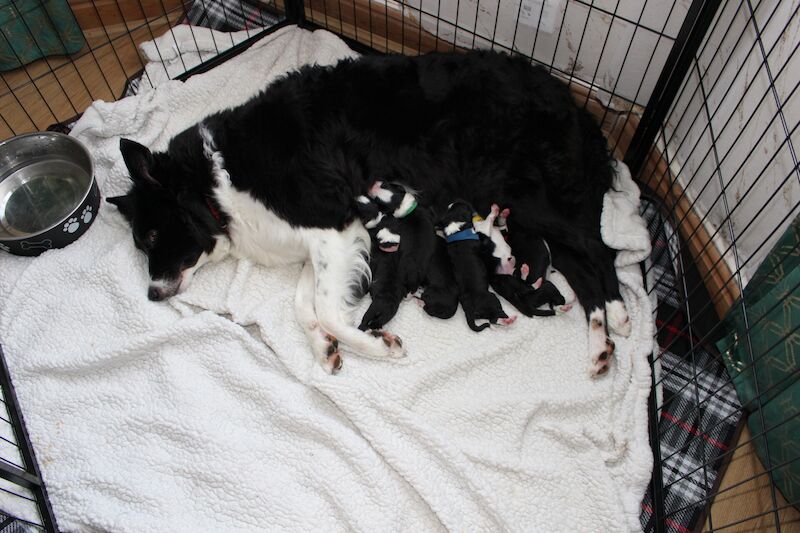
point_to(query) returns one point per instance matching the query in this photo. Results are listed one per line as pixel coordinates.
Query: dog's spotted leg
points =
(618, 320)
(338, 260)
(601, 348)
(324, 346)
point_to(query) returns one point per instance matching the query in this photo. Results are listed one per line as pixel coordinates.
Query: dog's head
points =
(457, 217)
(393, 198)
(173, 226)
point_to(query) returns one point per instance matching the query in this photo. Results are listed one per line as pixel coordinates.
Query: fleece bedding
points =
(208, 412)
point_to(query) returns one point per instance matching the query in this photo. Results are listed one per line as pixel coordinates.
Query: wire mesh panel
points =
(724, 163)
(610, 52)
(57, 88)
(697, 96)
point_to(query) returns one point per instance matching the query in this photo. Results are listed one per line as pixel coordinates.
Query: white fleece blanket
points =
(209, 412)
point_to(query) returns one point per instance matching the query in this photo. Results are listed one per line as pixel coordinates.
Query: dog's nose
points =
(155, 294)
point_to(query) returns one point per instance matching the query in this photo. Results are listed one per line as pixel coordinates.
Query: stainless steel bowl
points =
(48, 195)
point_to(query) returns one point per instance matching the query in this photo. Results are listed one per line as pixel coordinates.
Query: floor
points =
(744, 492)
(56, 89)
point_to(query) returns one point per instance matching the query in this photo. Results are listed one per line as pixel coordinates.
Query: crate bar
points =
(691, 35)
(32, 477)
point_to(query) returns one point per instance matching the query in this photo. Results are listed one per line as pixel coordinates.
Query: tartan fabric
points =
(222, 15)
(699, 411)
(231, 15)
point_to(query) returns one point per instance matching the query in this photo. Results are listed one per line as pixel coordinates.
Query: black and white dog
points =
(275, 179)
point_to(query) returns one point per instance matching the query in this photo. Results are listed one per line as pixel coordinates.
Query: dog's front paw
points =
(393, 343)
(618, 320)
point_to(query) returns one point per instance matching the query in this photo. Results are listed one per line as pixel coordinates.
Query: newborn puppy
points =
(546, 293)
(440, 296)
(465, 249)
(385, 289)
(501, 261)
(414, 225)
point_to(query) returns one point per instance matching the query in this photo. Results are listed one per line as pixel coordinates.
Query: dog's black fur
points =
(467, 258)
(480, 125)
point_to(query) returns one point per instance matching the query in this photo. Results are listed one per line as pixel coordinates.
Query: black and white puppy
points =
(385, 288)
(466, 252)
(423, 257)
(439, 297)
(500, 259)
(415, 227)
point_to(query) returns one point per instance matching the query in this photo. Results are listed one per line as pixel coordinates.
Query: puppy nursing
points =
(469, 255)
(465, 250)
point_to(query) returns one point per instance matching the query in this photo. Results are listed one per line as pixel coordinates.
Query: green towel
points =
(772, 300)
(32, 29)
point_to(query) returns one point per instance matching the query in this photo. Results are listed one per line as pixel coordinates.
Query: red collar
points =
(217, 215)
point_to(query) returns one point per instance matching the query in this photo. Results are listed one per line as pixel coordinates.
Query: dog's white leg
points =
(618, 320)
(601, 348)
(324, 346)
(337, 258)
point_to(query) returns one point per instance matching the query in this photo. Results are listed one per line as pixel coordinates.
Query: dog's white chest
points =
(259, 234)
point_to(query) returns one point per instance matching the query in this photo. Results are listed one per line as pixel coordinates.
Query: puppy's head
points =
(393, 198)
(369, 212)
(457, 218)
(387, 237)
(176, 230)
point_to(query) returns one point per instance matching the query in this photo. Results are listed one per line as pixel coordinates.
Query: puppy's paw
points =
(328, 354)
(562, 309)
(524, 270)
(618, 320)
(538, 283)
(393, 344)
(495, 210)
(507, 321)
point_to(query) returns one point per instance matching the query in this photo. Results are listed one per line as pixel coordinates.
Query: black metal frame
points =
(682, 58)
(29, 476)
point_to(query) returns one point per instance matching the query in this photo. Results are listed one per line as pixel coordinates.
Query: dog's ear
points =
(139, 161)
(124, 204)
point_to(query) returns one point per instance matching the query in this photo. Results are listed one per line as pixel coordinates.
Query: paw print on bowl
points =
(86, 214)
(71, 225)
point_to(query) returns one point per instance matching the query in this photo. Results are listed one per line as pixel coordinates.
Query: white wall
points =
(514, 27)
(756, 170)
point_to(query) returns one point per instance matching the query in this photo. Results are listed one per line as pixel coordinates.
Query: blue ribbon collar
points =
(467, 234)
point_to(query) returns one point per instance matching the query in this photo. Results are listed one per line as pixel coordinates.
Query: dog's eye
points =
(150, 237)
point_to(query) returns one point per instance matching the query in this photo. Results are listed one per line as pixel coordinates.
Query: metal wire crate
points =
(698, 97)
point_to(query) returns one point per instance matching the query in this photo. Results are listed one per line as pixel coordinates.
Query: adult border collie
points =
(276, 180)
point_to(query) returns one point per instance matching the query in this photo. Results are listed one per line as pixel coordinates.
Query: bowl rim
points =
(85, 194)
